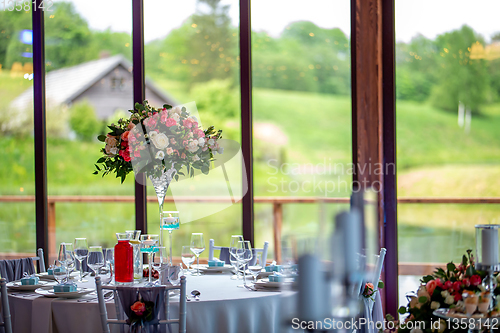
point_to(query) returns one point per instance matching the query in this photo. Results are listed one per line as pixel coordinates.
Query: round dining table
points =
(223, 307)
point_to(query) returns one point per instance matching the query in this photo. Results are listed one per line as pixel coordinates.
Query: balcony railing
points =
(277, 202)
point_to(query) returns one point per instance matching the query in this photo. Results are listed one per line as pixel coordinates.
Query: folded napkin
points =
(215, 263)
(29, 279)
(276, 277)
(65, 288)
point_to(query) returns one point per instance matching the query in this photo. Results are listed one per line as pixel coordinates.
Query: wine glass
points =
(187, 256)
(66, 257)
(96, 259)
(244, 255)
(197, 247)
(81, 252)
(148, 245)
(257, 266)
(232, 255)
(59, 273)
(109, 256)
(160, 259)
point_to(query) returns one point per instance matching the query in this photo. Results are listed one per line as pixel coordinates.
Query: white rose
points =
(160, 141)
(194, 118)
(196, 158)
(176, 110)
(201, 142)
(175, 117)
(445, 293)
(435, 305)
(211, 142)
(160, 155)
(449, 299)
(152, 134)
(416, 330)
(114, 150)
(192, 146)
(220, 150)
(413, 302)
(190, 135)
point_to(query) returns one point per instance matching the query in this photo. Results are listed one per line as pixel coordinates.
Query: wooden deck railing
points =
(277, 202)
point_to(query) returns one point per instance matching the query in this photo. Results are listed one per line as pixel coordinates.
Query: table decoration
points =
(142, 312)
(67, 287)
(135, 241)
(149, 245)
(445, 289)
(170, 222)
(96, 259)
(29, 279)
(159, 262)
(124, 261)
(487, 251)
(158, 142)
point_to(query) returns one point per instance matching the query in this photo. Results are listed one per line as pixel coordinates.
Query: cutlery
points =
(251, 288)
(196, 295)
(106, 295)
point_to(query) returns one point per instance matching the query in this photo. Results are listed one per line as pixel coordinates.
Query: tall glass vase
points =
(160, 185)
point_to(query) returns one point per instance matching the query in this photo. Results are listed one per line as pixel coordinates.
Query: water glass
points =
(160, 259)
(197, 247)
(66, 257)
(244, 255)
(109, 256)
(257, 266)
(81, 252)
(96, 259)
(232, 254)
(148, 245)
(187, 256)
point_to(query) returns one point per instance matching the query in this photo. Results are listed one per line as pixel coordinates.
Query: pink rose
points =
(169, 151)
(172, 141)
(475, 280)
(150, 122)
(183, 155)
(199, 133)
(125, 135)
(431, 285)
(130, 125)
(369, 289)
(170, 122)
(195, 124)
(126, 155)
(187, 123)
(457, 286)
(137, 153)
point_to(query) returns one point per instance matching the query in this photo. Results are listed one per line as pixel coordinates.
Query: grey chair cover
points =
(224, 255)
(14, 269)
(128, 296)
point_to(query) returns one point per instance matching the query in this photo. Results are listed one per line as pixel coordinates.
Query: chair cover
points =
(14, 269)
(128, 296)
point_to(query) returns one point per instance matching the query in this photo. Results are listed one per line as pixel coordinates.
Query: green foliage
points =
(11, 23)
(83, 120)
(217, 98)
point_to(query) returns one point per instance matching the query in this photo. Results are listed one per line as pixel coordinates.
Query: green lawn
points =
(435, 158)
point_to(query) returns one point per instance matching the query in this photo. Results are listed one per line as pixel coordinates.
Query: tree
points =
(460, 77)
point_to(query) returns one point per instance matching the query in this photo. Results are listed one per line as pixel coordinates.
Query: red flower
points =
(126, 155)
(125, 135)
(466, 282)
(139, 308)
(457, 286)
(458, 297)
(431, 285)
(448, 285)
(475, 280)
(369, 289)
(439, 283)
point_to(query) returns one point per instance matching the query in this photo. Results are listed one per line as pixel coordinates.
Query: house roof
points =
(65, 84)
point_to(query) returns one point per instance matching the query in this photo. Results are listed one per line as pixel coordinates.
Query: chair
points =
(373, 311)
(7, 325)
(224, 252)
(41, 261)
(14, 269)
(124, 297)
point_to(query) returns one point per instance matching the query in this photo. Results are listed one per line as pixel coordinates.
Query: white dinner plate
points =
(16, 285)
(73, 294)
(46, 276)
(265, 283)
(225, 268)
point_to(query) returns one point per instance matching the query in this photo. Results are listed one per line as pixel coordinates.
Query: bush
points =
(83, 120)
(216, 98)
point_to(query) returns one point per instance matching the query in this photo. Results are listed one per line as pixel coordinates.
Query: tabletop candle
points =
(489, 245)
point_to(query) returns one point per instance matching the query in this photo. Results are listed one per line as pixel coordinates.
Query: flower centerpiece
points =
(444, 288)
(159, 142)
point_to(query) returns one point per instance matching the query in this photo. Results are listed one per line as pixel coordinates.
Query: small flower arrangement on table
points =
(445, 289)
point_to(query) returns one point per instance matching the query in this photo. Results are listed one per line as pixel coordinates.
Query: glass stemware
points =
(170, 222)
(81, 252)
(187, 257)
(244, 255)
(59, 273)
(257, 266)
(148, 245)
(66, 257)
(160, 259)
(232, 255)
(109, 256)
(96, 259)
(197, 247)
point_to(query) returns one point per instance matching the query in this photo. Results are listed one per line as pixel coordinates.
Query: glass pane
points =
(17, 206)
(194, 57)
(448, 115)
(89, 85)
(301, 112)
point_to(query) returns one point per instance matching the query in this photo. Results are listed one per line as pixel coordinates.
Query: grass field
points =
(435, 158)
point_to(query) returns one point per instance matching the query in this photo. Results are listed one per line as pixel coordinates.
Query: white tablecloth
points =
(223, 308)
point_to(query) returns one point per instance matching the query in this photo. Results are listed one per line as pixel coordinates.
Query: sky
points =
(427, 17)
